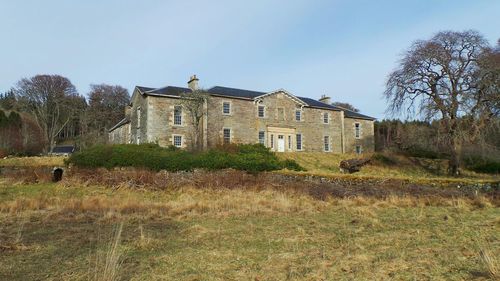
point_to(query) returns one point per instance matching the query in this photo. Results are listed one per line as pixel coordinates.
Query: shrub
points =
(246, 157)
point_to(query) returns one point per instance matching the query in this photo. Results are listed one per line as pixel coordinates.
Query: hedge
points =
(246, 157)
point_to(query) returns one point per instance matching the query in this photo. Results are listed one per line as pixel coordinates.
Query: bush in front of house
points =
(245, 157)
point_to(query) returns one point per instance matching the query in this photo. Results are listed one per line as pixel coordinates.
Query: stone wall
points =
(279, 119)
(366, 139)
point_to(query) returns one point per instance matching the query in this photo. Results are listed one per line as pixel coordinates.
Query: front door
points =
(281, 143)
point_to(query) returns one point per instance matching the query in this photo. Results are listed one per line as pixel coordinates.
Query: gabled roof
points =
(168, 91)
(246, 94)
(119, 124)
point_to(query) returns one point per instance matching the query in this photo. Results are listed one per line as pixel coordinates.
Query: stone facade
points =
(285, 123)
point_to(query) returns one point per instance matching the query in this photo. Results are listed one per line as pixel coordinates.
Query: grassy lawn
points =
(63, 232)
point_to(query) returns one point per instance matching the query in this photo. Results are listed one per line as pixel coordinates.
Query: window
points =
(298, 141)
(326, 118)
(327, 143)
(281, 113)
(138, 117)
(358, 149)
(178, 115)
(138, 138)
(298, 115)
(177, 141)
(357, 130)
(261, 111)
(227, 135)
(226, 108)
(272, 141)
(289, 142)
(262, 137)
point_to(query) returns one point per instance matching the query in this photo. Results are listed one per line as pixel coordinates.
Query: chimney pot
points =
(325, 99)
(193, 83)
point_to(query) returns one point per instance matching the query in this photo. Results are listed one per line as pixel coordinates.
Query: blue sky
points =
(344, 49)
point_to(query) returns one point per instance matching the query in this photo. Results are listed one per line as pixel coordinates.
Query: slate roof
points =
(233, 92)
(63, 149)
(247, 94)
(119, 124)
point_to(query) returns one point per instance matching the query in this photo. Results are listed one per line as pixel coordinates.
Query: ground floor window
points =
(178, 141)
(272, 141)
(327, 143)
(358, 149)
(262, 137)
(227, 136)
(298, 141)
(289, 142)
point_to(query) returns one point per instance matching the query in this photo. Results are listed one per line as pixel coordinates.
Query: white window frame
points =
(357, 130)
(326, 144)
(326, 117)
(298, 113)
(138, 111)
(263, 139)
(175, 123)
(224, 135)
(299, 143)
(229, 107)
(178, 136)
(263, 111)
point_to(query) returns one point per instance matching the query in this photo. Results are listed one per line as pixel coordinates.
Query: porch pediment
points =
(281, 92)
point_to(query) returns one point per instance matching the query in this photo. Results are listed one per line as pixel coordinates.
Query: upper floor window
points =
(326, 118)
(178, 115)
(327, 143)
(226, 108)
(227, 135)
(357, 130)
(261, 111)
(138, 117)
(177, 141)
(262, 137)
(298, 115)
(298, 141)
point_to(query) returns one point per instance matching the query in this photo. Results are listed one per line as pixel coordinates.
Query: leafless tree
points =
(346, 105)
(195, 103)
(106, 104)
(441, 79)
(48, 99)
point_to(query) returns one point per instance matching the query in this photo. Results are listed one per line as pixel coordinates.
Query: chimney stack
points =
(193, 83)
(325, 99)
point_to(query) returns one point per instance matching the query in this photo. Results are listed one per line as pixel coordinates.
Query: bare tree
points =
(48, 98)
(346, 105)
(106, 103)
(195, 104)
(440, 79)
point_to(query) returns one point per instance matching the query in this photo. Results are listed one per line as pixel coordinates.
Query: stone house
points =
(277, 119)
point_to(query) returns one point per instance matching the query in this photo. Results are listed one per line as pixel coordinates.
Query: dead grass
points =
(193, 233)
(403, 168)
(34, 161)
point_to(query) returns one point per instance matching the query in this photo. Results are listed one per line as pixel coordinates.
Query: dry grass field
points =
(388, 166)
(131, 224)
